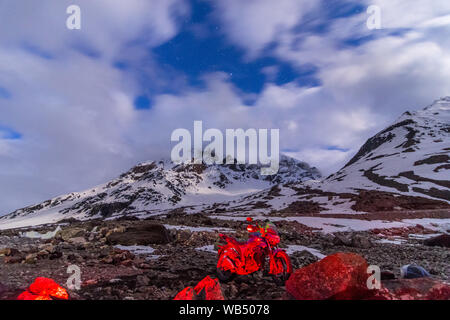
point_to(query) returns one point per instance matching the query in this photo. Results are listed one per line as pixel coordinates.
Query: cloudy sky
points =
(78, 107)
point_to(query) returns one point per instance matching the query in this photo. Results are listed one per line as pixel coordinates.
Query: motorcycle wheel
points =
(224, 275)
(280, 279)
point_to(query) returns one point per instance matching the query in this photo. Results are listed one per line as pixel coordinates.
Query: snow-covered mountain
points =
(403, 167)
(154, 187)
(409, 157)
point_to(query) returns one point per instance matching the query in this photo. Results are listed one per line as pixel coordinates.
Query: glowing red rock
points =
(340, 276)
(44, 289)
(186, 294)
(207, 289)
(211, 289)
(29, 296)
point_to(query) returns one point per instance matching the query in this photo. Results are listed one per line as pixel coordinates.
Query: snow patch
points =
(198, 229)
(140, 250)
(208, 248)
(42, 236)
(297, 248)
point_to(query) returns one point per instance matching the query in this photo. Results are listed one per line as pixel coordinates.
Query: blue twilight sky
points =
(78, 107)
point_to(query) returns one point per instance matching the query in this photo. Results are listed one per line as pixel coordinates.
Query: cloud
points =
(72, 124)
(73, 110)
(306, 122)
(368, 77)
(328, 160)
(71, 94)
(410, 13)
(107, 25)
(254, 24)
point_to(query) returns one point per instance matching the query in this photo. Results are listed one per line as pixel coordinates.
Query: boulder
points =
(78, 240)
(356, 241)
(50, 248)
(342, 240)
(49, 251)
(359, 241)
(439, 241)
(144, 234)
(31, 258)
(340, 276)
(9, 252)
(142, 280)
(43, 254)
(119, 257)
(13, 259)
(68, 233)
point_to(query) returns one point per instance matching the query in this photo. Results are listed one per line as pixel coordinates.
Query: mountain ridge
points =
(160, 186)
(409, 158)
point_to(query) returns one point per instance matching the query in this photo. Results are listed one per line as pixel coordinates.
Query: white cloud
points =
(253, 24)
(327, 160)
(442, 21)
(364, 87)
(307, 120)
(75, 113)
(286, 96)
(80, 128)
(106, 24)
(410, 13)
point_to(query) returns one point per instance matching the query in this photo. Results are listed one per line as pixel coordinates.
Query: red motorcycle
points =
(243, 258)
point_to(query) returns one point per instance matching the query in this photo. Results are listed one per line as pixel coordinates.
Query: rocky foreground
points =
(157, 258)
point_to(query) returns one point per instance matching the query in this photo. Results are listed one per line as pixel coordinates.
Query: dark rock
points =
(142, 281)
(31, 258)
(144, 234)
(9, 252)
(302, 259)
(376, 201)
(68, 220)
(108, 209)
(342, 240)
(359, 241)
(119, 257)
(13, 259)
(127, 218)
(387, 275)
(68, 233)
(303, 207)
(439, 241)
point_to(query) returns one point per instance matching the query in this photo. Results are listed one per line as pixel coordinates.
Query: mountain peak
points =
(159, 186)
(409, 157)
(442, 104)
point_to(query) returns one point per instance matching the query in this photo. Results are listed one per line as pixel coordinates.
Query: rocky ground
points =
(158, 257)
